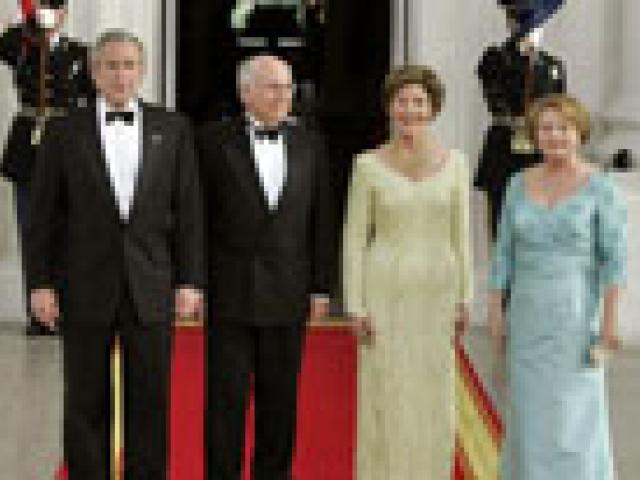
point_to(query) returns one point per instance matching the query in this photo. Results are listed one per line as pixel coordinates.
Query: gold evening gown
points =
(406, 265)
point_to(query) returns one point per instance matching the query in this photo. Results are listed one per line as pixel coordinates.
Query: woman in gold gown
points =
(407, 277)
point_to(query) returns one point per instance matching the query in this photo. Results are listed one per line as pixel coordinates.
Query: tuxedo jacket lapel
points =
(242, 162)
(295, 167)
(92, 145)
(150, 149)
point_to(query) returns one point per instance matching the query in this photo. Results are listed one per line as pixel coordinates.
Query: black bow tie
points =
(125, 117)
(271, 134)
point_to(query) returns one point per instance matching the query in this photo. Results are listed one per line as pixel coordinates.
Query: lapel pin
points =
(75, 68)
(156, 139)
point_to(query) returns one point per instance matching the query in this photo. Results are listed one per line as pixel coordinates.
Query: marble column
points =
(626, 104)
(11, 297)
(620, 120)
(8, 14)
(629, 326)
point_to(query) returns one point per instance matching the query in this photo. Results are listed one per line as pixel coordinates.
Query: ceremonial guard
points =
(50, 74)
(512, 75)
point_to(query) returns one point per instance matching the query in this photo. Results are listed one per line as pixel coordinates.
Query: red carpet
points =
(327, 412)
(326, 420)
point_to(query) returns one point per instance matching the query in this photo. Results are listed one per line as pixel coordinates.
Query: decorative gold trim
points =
(331, 322)
(117, 412)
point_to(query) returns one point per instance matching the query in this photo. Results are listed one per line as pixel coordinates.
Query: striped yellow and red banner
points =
(478, 425)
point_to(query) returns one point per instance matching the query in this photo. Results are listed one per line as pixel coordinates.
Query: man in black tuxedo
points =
(121, 177)
(270, 249)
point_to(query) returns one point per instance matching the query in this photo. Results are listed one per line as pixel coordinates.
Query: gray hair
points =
(247, 69)
(116, 35)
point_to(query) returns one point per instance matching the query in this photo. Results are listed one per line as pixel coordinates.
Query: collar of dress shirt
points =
(253, 123)
(103, 107)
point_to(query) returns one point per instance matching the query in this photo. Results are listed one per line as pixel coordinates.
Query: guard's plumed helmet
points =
(530, 14)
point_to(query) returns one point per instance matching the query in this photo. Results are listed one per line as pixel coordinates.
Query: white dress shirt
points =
(122, 147)
(271, 162)
(270, 157)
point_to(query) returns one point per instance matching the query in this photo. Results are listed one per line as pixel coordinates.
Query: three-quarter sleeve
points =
(611, 235)
(356, 231)
(461, 239)
(503, 250)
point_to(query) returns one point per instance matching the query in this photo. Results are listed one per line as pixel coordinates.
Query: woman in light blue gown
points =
(561, 254)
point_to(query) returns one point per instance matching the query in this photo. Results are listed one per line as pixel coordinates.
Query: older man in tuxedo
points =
(121, 177)
(270, 239)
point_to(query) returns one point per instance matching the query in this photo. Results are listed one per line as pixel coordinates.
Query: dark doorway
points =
(340, 46)
(340, 51)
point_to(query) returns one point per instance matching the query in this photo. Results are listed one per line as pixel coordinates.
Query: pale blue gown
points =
(557, 262)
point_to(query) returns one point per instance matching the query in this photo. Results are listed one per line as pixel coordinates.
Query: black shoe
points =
(36, 329)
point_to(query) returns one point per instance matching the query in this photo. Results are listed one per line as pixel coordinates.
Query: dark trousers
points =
(21, 198)
(21, 192)
(88, 396)
(273, 356)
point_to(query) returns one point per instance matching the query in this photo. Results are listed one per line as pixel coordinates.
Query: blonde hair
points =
(571, 109)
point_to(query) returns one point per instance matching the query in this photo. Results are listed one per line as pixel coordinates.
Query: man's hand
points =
(189, 303)
(44, 306)
(319, 307)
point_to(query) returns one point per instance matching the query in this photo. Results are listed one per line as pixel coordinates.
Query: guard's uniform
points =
(510, 80)
(50, 76)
